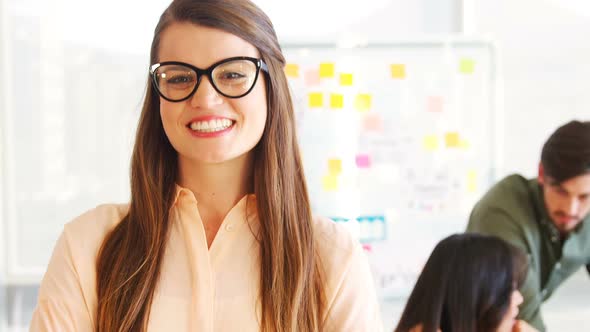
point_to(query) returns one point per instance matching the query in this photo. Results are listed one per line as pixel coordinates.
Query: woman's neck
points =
(217, 187)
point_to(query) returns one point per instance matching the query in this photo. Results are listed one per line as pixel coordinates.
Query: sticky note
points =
(345, 79)
(326, 70)
(334, 166)
(464, 144)
(434, 104)
(466, 66)
(330, 183)
(363, 161)
(472, 181)
(372, 122)
(452, 140)
(312, 77)
(292, 70)
(362, 102)
(430, 142)
(316, 99)
(398, 71)
(336, 100)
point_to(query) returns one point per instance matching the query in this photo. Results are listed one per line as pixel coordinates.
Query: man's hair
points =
(566, 154)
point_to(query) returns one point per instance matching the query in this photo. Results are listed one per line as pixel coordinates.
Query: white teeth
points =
(211, 125)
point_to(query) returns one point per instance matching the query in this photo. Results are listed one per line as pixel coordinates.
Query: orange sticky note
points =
(372, 122)
(330, 183)
(452, 140)
(334, 166)
(316, 99)
(398, 71)
(362, 102)
(292, 70)
(434, 104)
(312, 77)
(346, 79)
(430, 142)
(466, 66)
(336, 100)
(326, 70)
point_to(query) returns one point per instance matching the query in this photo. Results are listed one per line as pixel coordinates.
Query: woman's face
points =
(208, 127)
(510, 316)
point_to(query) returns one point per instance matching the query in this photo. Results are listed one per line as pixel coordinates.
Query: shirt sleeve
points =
(499, 223)
(61, 305)
(354, 306)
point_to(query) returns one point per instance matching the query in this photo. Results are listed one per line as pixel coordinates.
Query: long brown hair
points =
(292, 297)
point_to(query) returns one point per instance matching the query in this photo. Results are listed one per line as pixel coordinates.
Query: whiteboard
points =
(397, 142)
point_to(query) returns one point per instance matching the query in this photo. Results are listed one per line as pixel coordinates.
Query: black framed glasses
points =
(233, 77)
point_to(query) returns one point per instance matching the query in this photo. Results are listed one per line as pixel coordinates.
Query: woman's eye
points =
(232, 76)
(179, 79)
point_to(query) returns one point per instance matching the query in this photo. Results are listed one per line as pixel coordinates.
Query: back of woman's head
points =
(465, 286)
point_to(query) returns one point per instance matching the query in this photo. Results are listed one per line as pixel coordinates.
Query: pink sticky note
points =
(312, 77)
(434, 104)
(372, 122)
(363, 161)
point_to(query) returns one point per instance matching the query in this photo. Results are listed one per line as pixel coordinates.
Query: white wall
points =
(544, 52)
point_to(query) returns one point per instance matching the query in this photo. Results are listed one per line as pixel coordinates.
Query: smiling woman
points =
(219, 222)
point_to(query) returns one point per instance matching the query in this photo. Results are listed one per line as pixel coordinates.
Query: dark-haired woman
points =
(469, 284)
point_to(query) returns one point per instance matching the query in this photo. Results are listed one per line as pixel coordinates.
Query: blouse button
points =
(229, 227)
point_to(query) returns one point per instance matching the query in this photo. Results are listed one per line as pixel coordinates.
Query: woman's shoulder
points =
(350, 294)
(84, 234)
(337, 249)
(70, 278)
(96, 222)
(333, 237)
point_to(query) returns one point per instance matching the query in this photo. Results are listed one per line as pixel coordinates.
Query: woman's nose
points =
(206, 96)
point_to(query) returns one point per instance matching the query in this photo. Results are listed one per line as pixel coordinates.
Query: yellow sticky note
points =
(316, 99)
(398, 71)
(326, 70)
(467, 66)
(362, 102)
(464, 144)
(346, 79)
(334, 166)
(336, 100)
(472, 181)
(292, 70)
(330, 183)
(430, 142)
(452, 140)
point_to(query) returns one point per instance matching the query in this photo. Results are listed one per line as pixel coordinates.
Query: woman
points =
(218, 235)
(469, 283)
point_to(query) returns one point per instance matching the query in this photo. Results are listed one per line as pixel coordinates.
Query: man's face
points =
(568, 202)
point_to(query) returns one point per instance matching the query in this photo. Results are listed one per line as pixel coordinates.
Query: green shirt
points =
(514, 209)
